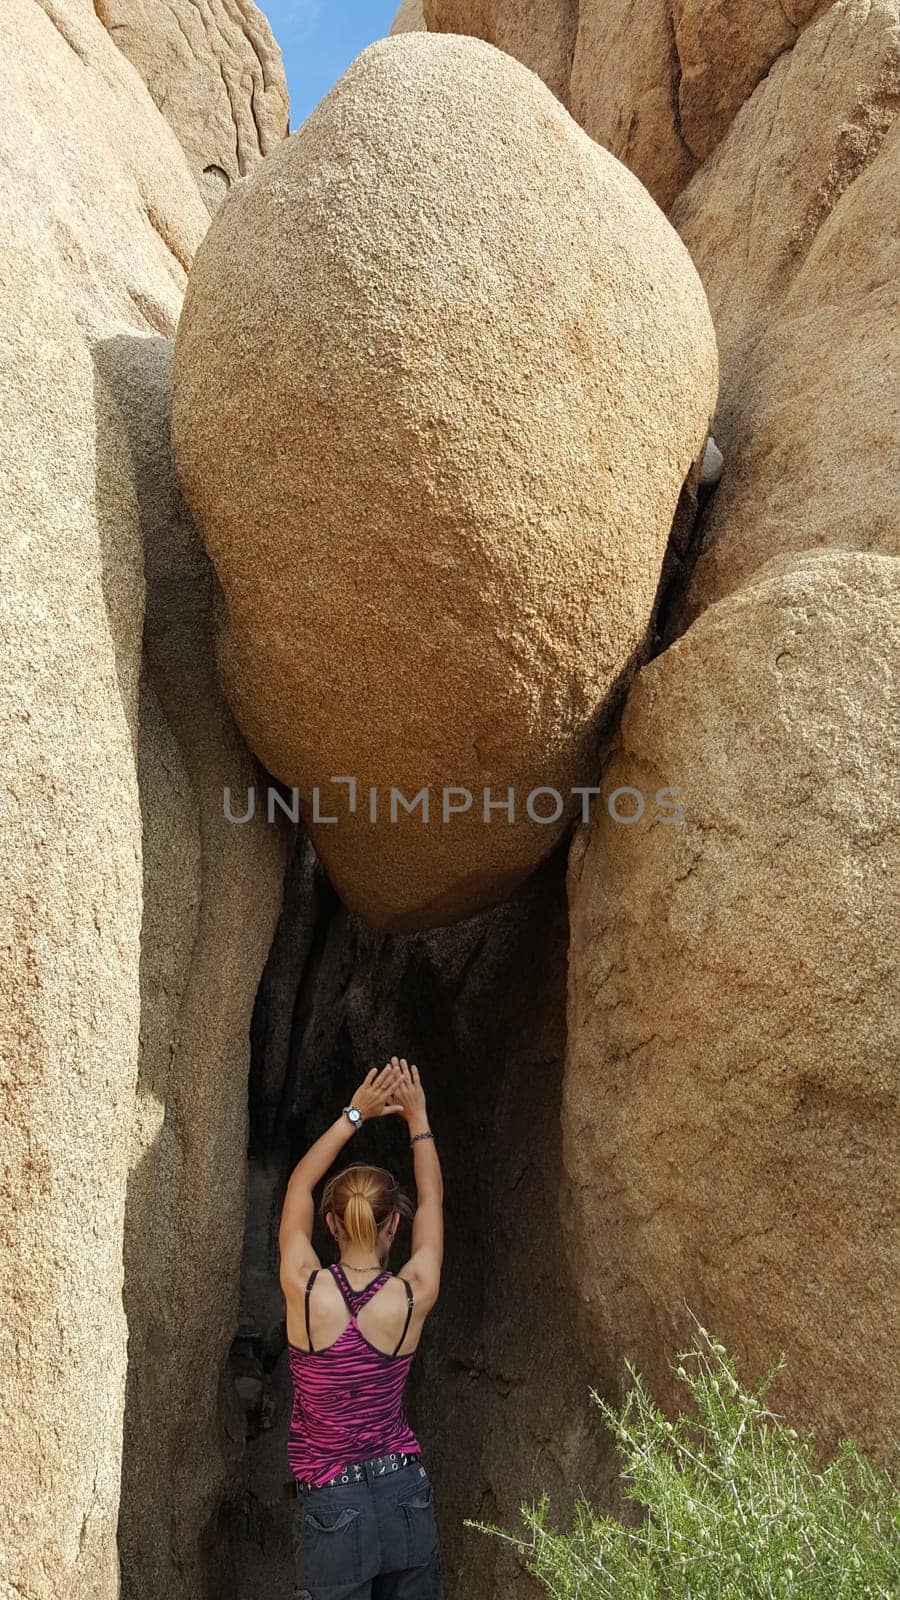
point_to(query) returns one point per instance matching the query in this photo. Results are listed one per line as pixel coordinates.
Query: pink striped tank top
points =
(347, 1397)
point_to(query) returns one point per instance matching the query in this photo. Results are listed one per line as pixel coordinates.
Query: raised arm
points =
(423, 1268)
(298, 1257)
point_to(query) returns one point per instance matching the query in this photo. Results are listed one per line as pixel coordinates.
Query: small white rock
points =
(711, 470)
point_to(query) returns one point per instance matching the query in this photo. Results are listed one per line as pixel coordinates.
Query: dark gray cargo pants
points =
(372, 1540)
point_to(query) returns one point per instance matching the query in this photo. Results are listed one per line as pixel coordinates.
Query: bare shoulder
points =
(293, 1285)
(424, 1279)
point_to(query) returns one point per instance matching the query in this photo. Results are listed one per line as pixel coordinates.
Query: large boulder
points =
(215, 73)
(657, 84)
(791, 224)
(442, 370)
(730, 1105)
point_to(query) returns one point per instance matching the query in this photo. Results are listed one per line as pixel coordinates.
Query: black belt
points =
(358, 1471)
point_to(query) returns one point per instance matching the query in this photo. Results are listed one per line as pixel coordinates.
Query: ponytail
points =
(359, 1220)
(362, 1198)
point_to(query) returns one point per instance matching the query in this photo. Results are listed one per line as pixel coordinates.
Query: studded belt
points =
(358, 1471)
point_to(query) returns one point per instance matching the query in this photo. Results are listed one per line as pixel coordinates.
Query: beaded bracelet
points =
(420, 1136)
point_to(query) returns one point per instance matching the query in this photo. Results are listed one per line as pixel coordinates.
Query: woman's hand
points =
(407, 1094)
(375, 1093)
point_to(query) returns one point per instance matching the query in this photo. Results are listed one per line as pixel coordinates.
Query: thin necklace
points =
(349, 1266)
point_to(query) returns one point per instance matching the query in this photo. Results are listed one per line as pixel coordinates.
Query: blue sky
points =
(319, 39)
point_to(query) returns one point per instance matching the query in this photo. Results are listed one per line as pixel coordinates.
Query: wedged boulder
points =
(730, 1105)
(216, 75)
(657, 84)
(791, 224)
(71, 605)
(442, 370)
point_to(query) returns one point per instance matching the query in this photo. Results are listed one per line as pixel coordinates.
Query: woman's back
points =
(365, 1520)
(348, 1393)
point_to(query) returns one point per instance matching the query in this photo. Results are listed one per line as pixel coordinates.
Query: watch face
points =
(354, 1115)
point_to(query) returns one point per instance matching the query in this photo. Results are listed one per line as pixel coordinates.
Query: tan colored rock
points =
(437, 485)
(211, 898)
(71, 604)
(730, 1105)
(410, 18)
(720, 55)
(216, 74)
(657, 84)
(539, 33)
(134, 920)
(93, 183)
(791, 226)
(622, 89)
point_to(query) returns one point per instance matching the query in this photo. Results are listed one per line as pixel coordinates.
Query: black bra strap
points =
(409, 1312)
(309, 1283)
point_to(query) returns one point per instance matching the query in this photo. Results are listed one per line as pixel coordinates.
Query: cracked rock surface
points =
(216, 75)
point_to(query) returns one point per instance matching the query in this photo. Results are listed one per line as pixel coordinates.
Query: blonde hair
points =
(363, 1198)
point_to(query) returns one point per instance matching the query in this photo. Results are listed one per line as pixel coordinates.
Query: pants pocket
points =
(421, 1524)
(329, 1547)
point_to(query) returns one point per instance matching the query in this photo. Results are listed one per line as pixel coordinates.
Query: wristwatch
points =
(355, 1116)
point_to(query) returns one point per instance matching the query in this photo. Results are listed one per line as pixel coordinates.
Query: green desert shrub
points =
(732, 1506)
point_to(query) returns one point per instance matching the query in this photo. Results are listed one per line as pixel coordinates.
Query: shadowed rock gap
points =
(499, 1391)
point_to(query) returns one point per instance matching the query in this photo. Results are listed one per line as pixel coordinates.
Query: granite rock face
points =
(211, 896)
(438, 484)
(790, 223)
(731, 1092)
(657, 84)
(216, 75)
(134, 919)
(69, 938)
(93, 183)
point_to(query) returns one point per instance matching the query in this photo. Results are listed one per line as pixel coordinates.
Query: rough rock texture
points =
(437, 485)
(216, 74)
(410, 18)
(540, 35)
(135, 923)
(211, 897)
(791, 224)
(657, 84)
(502, 1377)
(70, 634)
(730, 1106)
(93, 183)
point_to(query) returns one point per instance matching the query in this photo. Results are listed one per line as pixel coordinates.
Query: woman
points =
(365, 1525)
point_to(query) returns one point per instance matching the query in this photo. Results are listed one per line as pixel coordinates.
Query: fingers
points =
(398, 1074)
